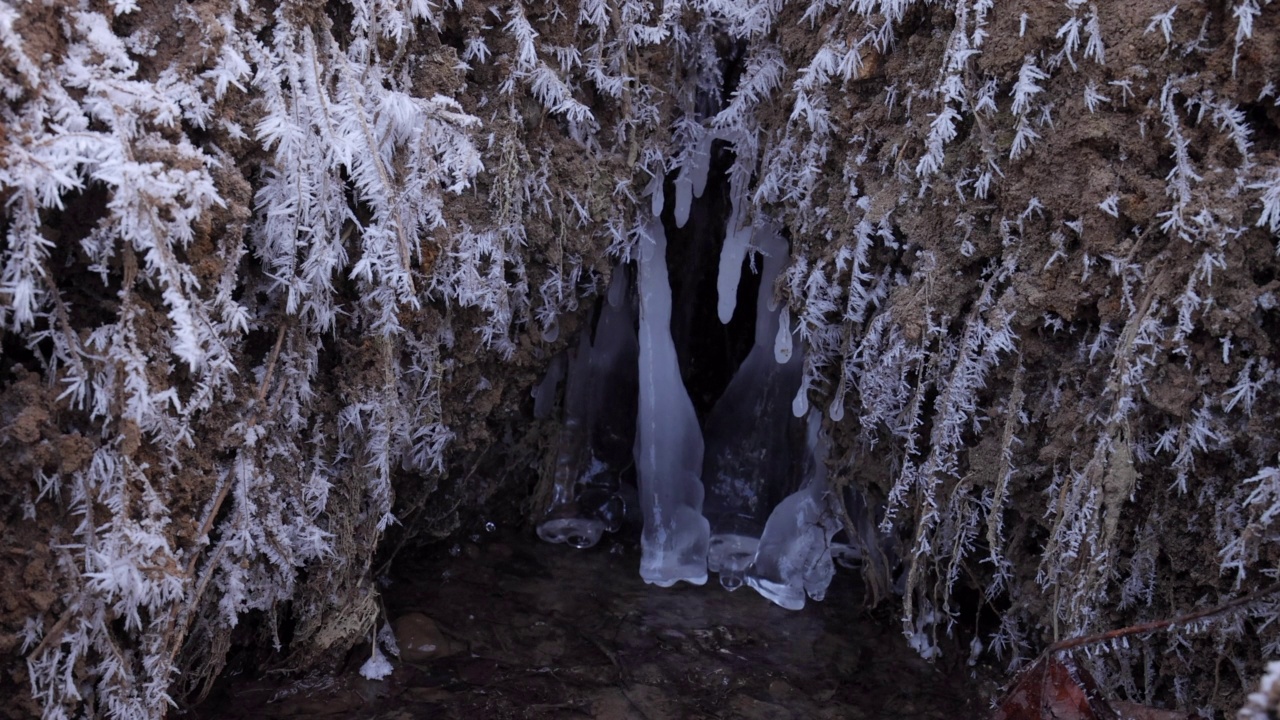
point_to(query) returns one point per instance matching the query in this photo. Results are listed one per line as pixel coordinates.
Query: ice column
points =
(668, 447)
(598, 433)
(564, 520)
(611, 411)
(751, 436)
(794, 557)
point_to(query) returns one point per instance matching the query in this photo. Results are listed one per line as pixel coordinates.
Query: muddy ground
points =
(521, 629)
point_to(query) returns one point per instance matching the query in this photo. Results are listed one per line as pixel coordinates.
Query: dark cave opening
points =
(710, 351)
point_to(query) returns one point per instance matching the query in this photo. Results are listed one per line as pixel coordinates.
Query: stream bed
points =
(505, 626)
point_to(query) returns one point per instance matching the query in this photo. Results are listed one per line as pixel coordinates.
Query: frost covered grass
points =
(255, 270)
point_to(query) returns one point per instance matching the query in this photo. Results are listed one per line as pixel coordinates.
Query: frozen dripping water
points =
(611, 412)
(794, 557)
(730, 555)
(751, 437)
(692, 178)
(576, 532)
(737, 237)
(668, 448)
(570, 517)
(596, 438)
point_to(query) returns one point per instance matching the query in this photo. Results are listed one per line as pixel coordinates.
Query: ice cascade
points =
(751, 435)
(668, 448)
(596, 438)
(794, 557)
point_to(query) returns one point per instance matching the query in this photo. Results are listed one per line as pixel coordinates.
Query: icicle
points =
(692, 179)
(750, 440)
(794, 557)
(684, 197)
(868, 548)
(782, 348)
(619, 290)
(668, 440)
(737, 237)
(656, 199)
(701, 163)
(596, 439)
(800, 405)
(836, 409)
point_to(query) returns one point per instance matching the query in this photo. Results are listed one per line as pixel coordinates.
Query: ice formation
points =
(750, 443)
(692, 179)
(863, 544)
(736, 238)
(668, 447)
(794, 557)
(612, 410)
(599, 427)
(544, 393)
(782, 344)
(564, 520)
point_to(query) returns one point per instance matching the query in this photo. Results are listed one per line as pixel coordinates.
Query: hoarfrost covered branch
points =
(274, 276)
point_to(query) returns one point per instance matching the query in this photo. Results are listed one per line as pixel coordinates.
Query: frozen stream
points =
(524, 629)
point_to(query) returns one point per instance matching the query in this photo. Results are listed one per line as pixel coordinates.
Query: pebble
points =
(420, 638)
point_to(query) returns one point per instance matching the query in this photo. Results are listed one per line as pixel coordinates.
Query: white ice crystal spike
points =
(668, 446)
(794, 556)
(751, 438)
(377, 667)
(595, 442)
